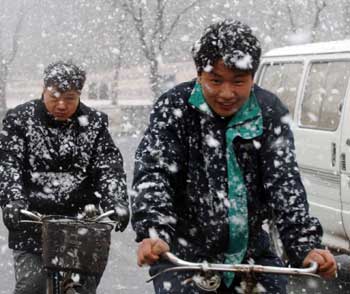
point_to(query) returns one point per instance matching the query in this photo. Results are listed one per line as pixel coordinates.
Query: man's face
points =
(62, 105)
(224, 89)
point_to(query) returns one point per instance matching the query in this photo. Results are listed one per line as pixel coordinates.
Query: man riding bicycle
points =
(56, 156)
(215, 162)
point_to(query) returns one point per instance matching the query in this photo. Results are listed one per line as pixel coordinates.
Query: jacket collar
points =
(248, 112)
(50, 120)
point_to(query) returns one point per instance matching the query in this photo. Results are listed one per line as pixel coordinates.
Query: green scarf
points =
(246, 123)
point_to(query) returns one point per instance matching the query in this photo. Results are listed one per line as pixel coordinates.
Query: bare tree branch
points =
(118, 62)
(137, 16)
(346, 16)
(164, 2)
(1, 27)
(320, 5)
(5, 62)
(159, 23)
(21, 16)
(151, 33)
(291, 19)
(166, 36)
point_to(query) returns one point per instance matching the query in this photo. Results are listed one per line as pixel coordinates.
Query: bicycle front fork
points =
(53, 283)
(56, 284)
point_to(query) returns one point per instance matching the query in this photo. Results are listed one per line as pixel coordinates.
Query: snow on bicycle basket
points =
(75, 245)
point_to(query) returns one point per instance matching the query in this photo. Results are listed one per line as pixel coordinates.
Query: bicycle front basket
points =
(79, 246)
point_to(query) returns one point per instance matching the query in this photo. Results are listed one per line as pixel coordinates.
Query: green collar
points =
(246, 123)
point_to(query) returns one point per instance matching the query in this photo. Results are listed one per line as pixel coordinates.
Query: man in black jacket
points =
(56, 156)
(215, 162)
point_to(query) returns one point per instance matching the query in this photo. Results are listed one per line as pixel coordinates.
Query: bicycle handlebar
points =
(183, 265)
(39, 217)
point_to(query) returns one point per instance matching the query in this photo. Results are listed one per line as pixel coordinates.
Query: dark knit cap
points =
(64, 76)
(231, 41)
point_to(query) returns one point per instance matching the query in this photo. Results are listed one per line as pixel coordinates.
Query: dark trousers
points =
(31, 276)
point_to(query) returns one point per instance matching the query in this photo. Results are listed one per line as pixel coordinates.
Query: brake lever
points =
(35, 216)
(104, 215)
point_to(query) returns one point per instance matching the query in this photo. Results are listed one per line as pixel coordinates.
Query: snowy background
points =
(133, 50)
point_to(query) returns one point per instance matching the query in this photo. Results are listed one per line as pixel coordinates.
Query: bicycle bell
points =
(90, 210)
(207, 281)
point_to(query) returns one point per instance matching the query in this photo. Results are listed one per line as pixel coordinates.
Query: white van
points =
(313, 82)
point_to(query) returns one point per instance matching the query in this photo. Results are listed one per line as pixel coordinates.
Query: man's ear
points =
(199, 75)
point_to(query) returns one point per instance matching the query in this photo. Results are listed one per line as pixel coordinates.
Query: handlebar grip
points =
(104, 215)
(31, 215)
(312, 268)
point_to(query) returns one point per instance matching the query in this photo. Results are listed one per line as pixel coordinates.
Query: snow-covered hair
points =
(231, 41)
(64, 76)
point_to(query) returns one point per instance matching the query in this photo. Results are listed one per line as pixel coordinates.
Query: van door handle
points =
(343, 162)
(334, 154)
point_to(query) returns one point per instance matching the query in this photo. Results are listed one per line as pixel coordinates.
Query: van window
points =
(324, 93)
(283, 79)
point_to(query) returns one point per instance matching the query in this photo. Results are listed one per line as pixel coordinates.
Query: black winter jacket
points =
(57, 167)
(180, 181)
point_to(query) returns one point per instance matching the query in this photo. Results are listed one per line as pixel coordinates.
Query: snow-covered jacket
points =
(180, 181)
(57, 167)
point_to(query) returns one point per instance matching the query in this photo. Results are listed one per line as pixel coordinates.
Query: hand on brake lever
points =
(150, 250)
(11, 214)
(121, 217)
(327, 267)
